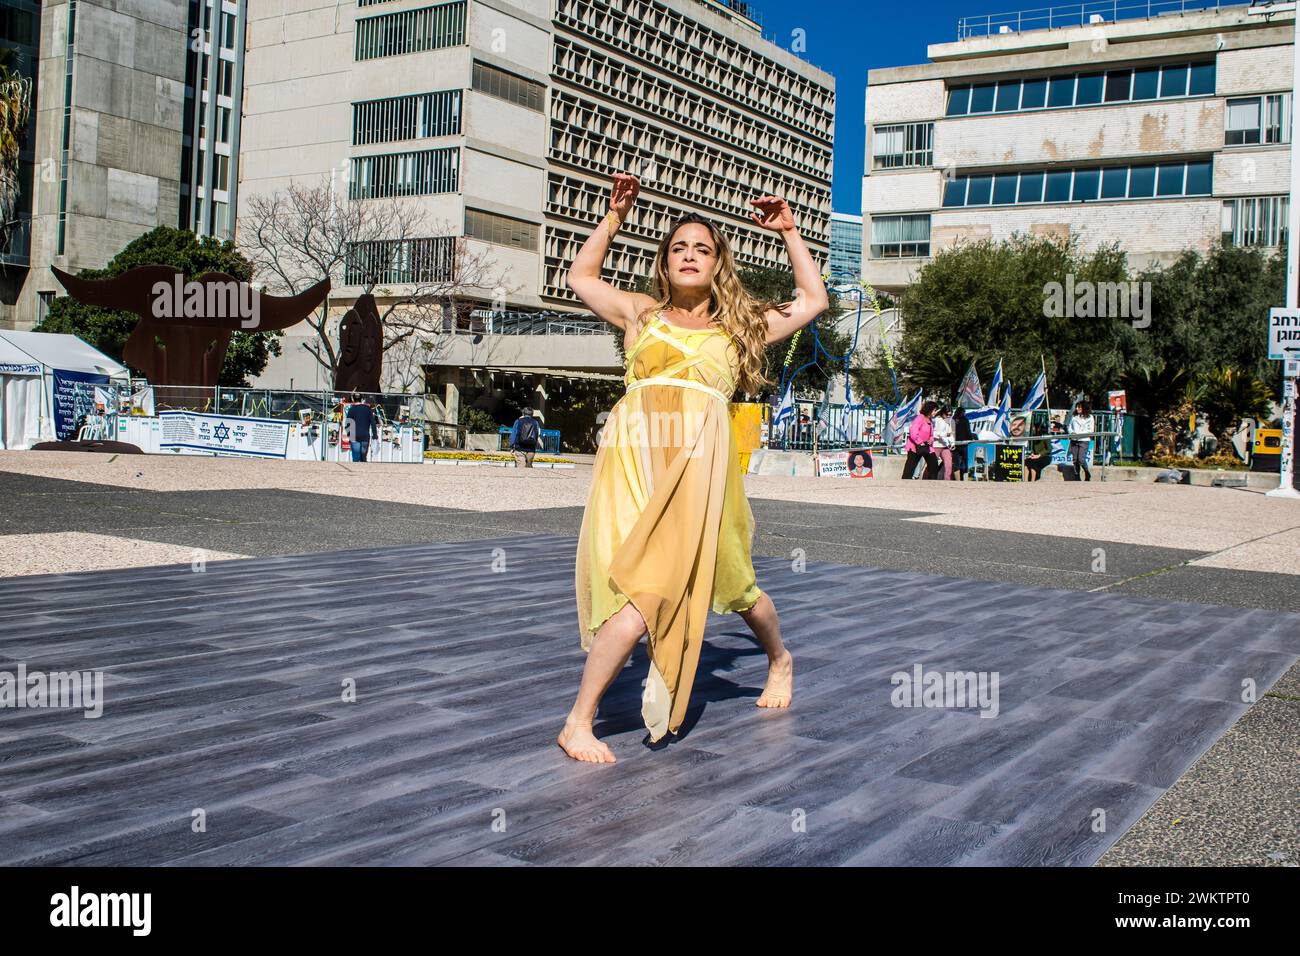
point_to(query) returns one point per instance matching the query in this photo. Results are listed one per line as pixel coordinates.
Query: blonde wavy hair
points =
(741, 315)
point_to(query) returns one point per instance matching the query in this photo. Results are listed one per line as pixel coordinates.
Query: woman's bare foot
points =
(780, 682)
(580, 743)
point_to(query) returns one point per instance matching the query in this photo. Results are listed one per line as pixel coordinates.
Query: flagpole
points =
(1047, 394)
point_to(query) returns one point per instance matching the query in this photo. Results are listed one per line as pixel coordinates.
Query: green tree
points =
(985, 300)
(1228, 395)
(1210, 311)
(108, 329)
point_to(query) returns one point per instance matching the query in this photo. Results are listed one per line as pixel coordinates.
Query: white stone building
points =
(1162, 133)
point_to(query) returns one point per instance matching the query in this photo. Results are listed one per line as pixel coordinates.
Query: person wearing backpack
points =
(525, 439)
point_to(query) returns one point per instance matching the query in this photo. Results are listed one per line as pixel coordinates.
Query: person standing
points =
(1081, 424)
(961, 433)
(667, 531)
(943, 438)
(525, 438)
(359, 426)
(919, 438)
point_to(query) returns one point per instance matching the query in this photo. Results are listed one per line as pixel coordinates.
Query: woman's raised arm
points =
(611, 303)
(810, 298)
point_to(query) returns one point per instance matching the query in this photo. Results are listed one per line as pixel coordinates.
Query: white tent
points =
(35, 368)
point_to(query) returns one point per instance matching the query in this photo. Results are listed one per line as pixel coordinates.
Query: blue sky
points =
(847, 38)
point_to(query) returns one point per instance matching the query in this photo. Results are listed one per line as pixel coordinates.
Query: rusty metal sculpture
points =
(361, 348)
(185, 327)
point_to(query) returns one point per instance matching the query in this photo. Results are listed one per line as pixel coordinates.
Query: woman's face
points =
(1078, 410)
(692, 257)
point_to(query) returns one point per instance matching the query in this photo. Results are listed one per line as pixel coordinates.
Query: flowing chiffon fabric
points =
(667, 525)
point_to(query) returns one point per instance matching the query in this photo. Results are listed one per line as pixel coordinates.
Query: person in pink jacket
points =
(920, 436)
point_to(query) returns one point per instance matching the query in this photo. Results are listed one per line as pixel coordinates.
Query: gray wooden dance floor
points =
(225, 738)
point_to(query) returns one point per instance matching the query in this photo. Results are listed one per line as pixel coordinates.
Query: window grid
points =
(1082, 89)
(415, 261)
(496, 82)
(650, 93)
(588, 136)
(418, 116)
(683, 46)
(501, 230)
(907, 144)
(1256, 221)
(1256, 120)
(1089, 184)
(410, 31)
(418, 173)
(900, 237)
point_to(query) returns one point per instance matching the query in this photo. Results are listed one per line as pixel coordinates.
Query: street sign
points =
(1283, 333)
(1291, 368)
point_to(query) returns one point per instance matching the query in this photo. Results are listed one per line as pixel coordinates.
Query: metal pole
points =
(1286, 482)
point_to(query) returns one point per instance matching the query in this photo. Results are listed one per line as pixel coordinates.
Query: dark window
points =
(1146, 84)
(1202, 80)
(1199, 179)
(1008, 96)
(1085, 184)
(1004, 190)
(1173, 81)
(954, 194)
(958, 100)
(1142, 182)
(1058, 187)
(1031, 187)
(1061, 92)
(979, 191)
(981, 98)
(1117, 86)
(1114, 182)
(1170, 180)
(1089, 89)
(1034, 94)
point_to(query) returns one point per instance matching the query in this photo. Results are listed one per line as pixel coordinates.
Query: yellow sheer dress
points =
(667, 524)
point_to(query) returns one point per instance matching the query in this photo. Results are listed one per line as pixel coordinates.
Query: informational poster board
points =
(194, 433)
(73, 395)
(855, 463)
(1009, 463)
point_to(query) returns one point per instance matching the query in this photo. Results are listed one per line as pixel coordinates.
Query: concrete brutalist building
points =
(506, 120)
(1162, 133)
(136, 126)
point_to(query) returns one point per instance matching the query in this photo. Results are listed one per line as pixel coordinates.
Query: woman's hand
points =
(773, 213)
(623, 195)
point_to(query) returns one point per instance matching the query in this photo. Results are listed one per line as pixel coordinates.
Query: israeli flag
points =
(981, 419)
(1038, 394)
(785, 410)
(905, 413)
(1002, 423)
(995, 385)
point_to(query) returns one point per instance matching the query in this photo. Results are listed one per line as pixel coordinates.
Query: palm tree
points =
(1229, 396)
(1166, 393)
(15, 107)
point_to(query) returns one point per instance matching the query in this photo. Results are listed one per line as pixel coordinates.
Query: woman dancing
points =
(667, 532)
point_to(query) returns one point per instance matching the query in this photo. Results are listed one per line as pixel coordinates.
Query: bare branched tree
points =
(424, 277)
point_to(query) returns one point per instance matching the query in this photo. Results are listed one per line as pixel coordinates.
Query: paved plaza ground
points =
(1122, 618)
